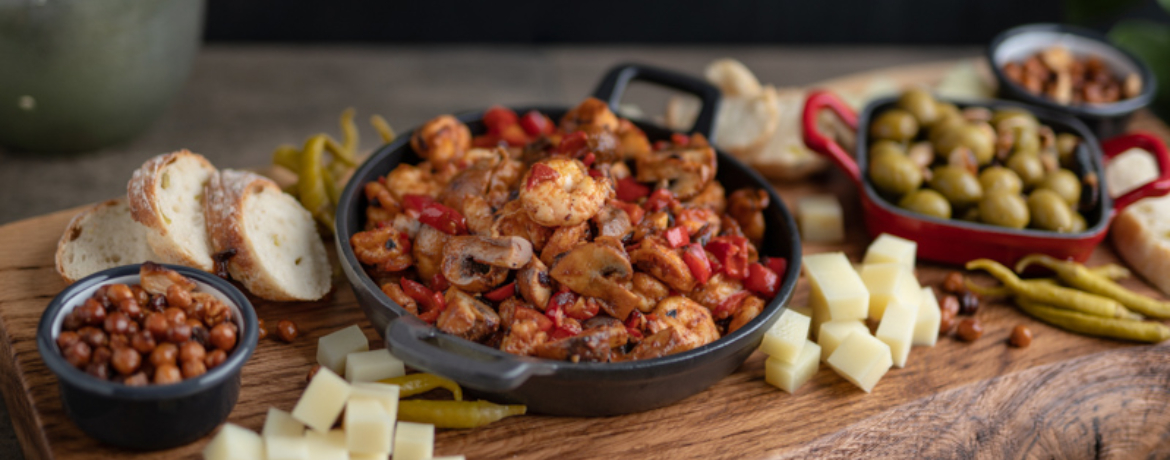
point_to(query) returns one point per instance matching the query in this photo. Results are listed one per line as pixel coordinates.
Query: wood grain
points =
(1065, 396)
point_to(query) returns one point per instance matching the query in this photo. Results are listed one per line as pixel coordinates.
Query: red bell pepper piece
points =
(582, 311)
(731, 252)
(596, 173)
(439, 282)
(696, 259)
(777, 264)
(569, 329)
(498, 118)
(535, 124)
(632, 210)
(514, 135)
(501, 293)
(629, 190)
(677, 236)
(761, 280)
(573, 145)
(487, 141)
(430, 316)
(636, 334)
(540, 173)
(443, 219)
(680, 139)
(589, 159)
(416, 203)
(659, 145)
(661, 198)
(427, 299)
(730, 305)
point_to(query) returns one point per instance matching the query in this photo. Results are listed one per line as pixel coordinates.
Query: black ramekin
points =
(152, 417)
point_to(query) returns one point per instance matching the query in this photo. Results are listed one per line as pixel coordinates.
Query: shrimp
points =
(559, 192)
(408, 179)
(679, 325)
(512, 220)
(441, 140)
(650, 289)
(712, 197)
(591, 112)
(633, 141)
(394, 291)
(385, 248)
(751, 307)
(666, 264)
(687, 169)
(747, 206)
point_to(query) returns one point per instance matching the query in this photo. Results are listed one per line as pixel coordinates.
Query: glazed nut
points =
(263, 329)
(1021, 336)
(946, 323)
(953, 283)
(968, 303)
(970, 329)
(950, 304)
(287, 330)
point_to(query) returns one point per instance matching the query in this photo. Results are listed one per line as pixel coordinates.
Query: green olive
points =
(1016, 116)
(927, 201)
(972, 215)
(980, 138)
(919, 103)
(1028, 167)
(1066, 147)
(1065, 183)
(945, 110)
(894, 124)
(1027, 141)
(886, 146)
(1078, 223)
(1004, 208)
(999, 177)
(1049, 211)
(944, 128)
(894, 173)
(957, 184)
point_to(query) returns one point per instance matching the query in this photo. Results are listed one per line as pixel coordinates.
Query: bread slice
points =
(733, 78)
(784, 156)
(166, 196)
(100, 237)
(1141, 233)
(278, 252)
(743, 123)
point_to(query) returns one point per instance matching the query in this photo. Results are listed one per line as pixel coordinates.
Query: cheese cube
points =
(373, 365)
(802, 309)
(327, 446)
(861, 359)
(281, 423)
(837, 291)
(287, 448)
(450, 457)
(791, 376)
(929, 316)
(821, 219)
(887, 248)
(888, 283)
(897, 330)
(332, 349)
(368, 428)
(834, 332)
(377, 456)
(382, 392)
(322, 400)
(414, 441)
(234, 442)
(786, 337)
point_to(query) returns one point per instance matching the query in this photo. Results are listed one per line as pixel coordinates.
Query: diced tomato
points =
(515, 136)
(439, 282)
(535, 124)
(761, 280)
(636, 320)
(677, 236)
(661, 198)
(540, 173)
(487, 141)
(731, 252)
(680, 139)
(596, 173)
(582, 310)
(561, 300)
(729, 306)
(696, 259)
(574, 145)
(443, 219)
(660, 145)
(497, 118)
(498, 295)
(415, 202)
(542, 321)
(777, 264)
(589, 159)
(630, 190)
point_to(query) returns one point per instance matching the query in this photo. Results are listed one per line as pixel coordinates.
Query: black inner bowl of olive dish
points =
(114, 400)
(1063, 75)
(574, 387)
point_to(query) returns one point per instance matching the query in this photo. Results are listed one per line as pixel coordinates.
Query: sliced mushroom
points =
(478, 263)
(591, 345)
(428, 251)
(657, 259)
(688, 169)
(467, 318)
(665, 342)
(613, 221)
(598, 270)
(534, 283)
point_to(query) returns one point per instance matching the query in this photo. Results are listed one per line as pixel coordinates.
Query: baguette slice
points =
(166, 196)
(742, 123)
(1141, 233)
(278, 252)
(784, 156)
(100, 237)
(732, 77)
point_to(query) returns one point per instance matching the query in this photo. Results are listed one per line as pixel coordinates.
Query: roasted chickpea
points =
(164, 354)
(179, 333)
(93, 336)
(192, 369)
(156, 325)
(143, 342)
(175, 315)
(192, 351)
(950, 304)
(178, 297)
(287, 330)
(126, 360)
(1021, 336)
(118, 293)
(137, 380)
(215, 358)
(72, 321)
(101, 355)
(167, 374)
(953, 283)
(78, 355)
(132, 309)
(99, 370)
(223, 336)
(66, 339)
(141, 297)
(91, 313)
(119, 340)
(970, 329)
(117, 323)
(263, 329)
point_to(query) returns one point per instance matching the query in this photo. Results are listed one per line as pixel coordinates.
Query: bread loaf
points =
(166, 196)
(1141, 232)
(100, 237)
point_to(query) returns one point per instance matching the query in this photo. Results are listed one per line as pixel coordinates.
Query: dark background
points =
(919, 22)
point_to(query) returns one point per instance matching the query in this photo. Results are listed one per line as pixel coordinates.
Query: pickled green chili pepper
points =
(419, 383)
(311, 184)
(1111, 271)
(288, 157)
(455, 414)
(349, 137)
(383, 128)
(1004, 291)
(1076, 275)
(1115, 328)
(1050, 294)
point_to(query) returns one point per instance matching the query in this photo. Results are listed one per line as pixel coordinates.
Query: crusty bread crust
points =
(73, 233)
(144, 207)
(1142, 248)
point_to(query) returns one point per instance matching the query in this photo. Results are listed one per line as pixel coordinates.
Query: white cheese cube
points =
(333, 348)
(382, 392)
(897, 330)
(373, 365)
(888, 283)
(450, 457)
(377, 456)
(414, 441)
(861, 359)
(791, 376)
(887, 248)
(234, 442)
(368, 428)
(821, 219)
(287, 448)
(327, 446)
(786, 337)
(802, 309)
(322, 400)
(929, 316)
(281, 423)
(834, 332)
(837, 291)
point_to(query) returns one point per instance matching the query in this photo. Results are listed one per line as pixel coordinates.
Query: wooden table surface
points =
(1066, 396)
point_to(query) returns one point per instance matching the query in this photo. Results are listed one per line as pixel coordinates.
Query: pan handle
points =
(613, 86)
(817, 141)
(421, 346)
(1150, 143)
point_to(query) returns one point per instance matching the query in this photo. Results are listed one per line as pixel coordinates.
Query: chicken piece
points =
(591, 112)
(662, 343)
(747, 206)
(478, 213)
(523, 337)
(634, 142)
(591, 345)
(687, 169)
(563, 240)
(751, 307)
(692, 321)
(694, 219)
(467, 317)
(613, 221)
(652, 224)
(717, 289)
(650, 289)
(712, 197)
(656, 258)
(442, 140)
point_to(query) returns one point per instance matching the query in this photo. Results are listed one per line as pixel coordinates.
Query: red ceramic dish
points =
(954, 241)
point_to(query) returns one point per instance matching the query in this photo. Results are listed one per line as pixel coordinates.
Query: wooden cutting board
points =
(1065, 396)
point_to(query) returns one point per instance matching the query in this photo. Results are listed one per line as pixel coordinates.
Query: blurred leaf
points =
(1150, 41)
(1091, 12)
(1165, 4)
